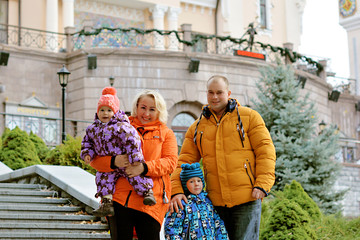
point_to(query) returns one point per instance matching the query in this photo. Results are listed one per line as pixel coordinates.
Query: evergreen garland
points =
(284, 52)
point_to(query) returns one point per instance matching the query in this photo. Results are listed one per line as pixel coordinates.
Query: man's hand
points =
(175, 202)
(122, 161)
(257, 193)
(135, 169)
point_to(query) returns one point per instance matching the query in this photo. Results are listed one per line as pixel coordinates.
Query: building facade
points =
(171, 46)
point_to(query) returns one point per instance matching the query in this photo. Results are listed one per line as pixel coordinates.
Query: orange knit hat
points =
(109, 99)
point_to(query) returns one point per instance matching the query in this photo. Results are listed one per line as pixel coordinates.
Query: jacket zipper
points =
(252, 173)
(245, 166)
(165, 198)
(201, 134)
(238, 129)
(127, 199)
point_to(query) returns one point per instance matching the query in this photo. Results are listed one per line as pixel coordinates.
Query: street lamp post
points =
(322, 126)
(63, 74)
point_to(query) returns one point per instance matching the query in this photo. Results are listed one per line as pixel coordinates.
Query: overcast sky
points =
(323, 36)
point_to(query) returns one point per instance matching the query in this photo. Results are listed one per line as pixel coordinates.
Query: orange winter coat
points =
(160, 153)
(234, 162)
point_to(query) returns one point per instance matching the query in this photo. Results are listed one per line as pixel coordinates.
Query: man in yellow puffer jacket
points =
(238, 160)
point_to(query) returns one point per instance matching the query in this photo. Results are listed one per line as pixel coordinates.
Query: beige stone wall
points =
(201, 18)
(31, 72)
(13, 12)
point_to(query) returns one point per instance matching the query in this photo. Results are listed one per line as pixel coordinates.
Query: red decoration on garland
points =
(250, 54)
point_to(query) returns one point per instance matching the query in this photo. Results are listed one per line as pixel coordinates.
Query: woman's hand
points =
(122, 161)
(135, 169)
(87, 159)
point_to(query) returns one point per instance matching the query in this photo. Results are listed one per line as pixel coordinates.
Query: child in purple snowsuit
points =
(111, 134)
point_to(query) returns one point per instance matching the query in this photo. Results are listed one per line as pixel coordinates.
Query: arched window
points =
(180, 125)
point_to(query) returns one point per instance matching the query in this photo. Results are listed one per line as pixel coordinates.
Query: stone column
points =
(172, 17)
(186, 28)
(69, 31)
(158, 12)
(68, 13)
(52, 22)
(323, 74)
(88, 24)
(289, 46)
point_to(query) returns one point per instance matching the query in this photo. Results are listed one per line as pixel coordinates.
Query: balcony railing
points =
(32, 38)
(49, 129)
(154, 39)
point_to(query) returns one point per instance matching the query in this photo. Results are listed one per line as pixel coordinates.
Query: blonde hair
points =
(218, 78)
(159, 103)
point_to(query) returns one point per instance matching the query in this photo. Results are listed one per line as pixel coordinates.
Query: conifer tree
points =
(302, 153)
(18, 151)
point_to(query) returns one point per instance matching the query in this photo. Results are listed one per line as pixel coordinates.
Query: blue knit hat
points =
(190, 171)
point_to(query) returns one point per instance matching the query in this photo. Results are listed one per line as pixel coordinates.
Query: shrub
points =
(336, 227)
(68, 154)
(288, 221)
(295, 192)
(289, 215)
(40, 146)
(18, 151)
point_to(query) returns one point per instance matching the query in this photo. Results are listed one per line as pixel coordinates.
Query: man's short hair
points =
(218, 78)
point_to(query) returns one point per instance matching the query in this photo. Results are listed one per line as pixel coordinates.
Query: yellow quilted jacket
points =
(234, 161)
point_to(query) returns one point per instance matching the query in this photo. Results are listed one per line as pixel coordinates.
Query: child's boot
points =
(149, 198)
(106, 208)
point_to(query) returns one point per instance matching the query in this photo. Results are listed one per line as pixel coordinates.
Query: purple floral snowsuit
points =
(113, 138)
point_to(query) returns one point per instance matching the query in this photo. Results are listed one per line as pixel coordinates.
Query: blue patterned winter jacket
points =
(198, 220)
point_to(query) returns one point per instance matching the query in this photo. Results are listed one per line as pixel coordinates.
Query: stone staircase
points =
(35, 211)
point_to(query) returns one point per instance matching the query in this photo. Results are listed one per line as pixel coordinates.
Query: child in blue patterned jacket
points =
(199, 219)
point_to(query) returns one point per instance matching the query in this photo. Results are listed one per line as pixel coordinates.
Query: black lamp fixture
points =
(334, 95)
(194, 65)
(357, 106)
(92, 61)
(322, 125)
(301, 81)
(63, 74)
(111, 80)
(4, 57)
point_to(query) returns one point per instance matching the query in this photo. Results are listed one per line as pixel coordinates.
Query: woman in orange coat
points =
(149, 116)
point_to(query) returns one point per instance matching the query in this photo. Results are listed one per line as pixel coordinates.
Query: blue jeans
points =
(242, 221)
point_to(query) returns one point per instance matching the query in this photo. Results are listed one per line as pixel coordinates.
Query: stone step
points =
(38, 207)
(53, 236)
(33, 205)
(33, 211)
(22, 186)
(50, 227)
(47, 217)
(27, 192)
(29, 199)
